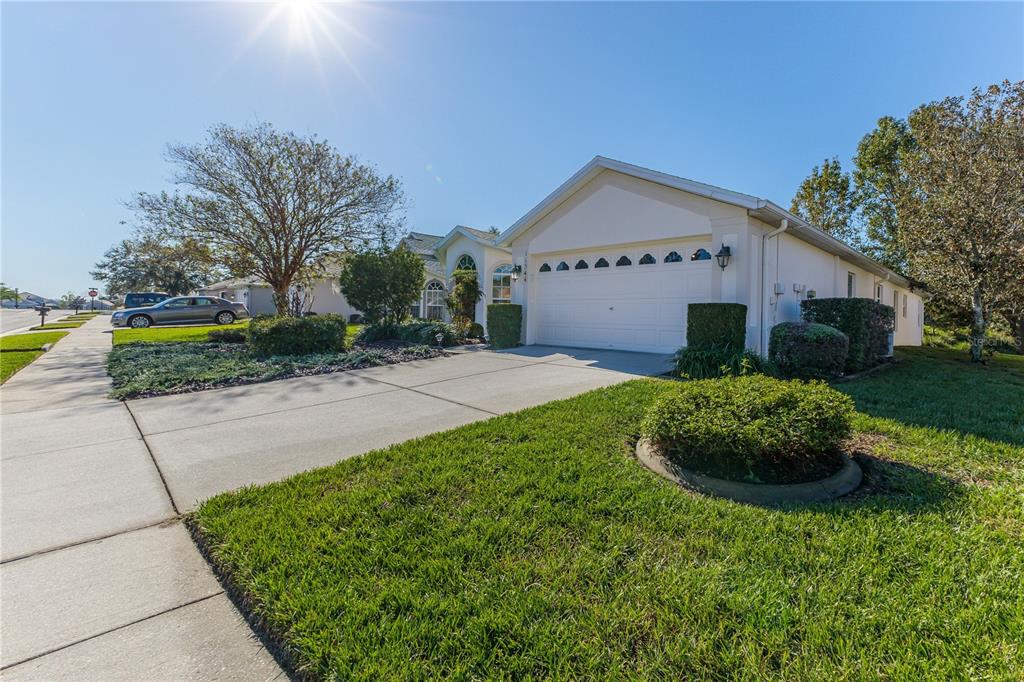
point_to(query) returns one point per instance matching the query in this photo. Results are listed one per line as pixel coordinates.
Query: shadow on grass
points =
(889, 484)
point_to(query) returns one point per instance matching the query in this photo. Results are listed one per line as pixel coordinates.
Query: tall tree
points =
(152, 262)
(878, 177)
(273, 204)
(72, 301)
(826, 199)
(962, 210)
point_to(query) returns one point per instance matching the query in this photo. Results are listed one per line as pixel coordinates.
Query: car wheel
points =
(225, 317)
(139, 322)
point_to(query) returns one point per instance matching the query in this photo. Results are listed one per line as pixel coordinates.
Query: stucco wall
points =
(486, 258)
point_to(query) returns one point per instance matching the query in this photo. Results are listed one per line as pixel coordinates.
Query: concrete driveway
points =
(209, 442)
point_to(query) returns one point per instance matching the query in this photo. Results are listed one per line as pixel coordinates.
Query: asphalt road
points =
(11, 318)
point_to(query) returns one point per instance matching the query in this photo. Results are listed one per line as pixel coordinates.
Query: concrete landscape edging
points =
(844, 481)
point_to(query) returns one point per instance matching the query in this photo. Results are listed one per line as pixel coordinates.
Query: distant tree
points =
(72, 301)
(382, 284)
(273, 204)
(878, 177)
(825, 198)
(8, 294)
(962, 209)
(463, 297)
(150, 261)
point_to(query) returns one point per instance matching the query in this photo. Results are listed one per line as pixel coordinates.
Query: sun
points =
(303, 16)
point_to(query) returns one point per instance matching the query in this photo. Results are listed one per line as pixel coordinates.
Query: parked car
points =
(144, 299)
(181, 310)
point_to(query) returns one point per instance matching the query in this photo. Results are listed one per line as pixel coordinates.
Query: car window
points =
(176, 302)
(204, 301)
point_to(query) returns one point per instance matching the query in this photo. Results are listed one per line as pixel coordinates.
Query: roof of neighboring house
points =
(762, 209)
(421, 243)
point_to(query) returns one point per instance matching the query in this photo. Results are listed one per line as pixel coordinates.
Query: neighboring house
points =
(612, 257)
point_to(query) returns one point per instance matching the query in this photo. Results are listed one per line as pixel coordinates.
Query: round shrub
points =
(296, 335)
(419, 332)
(476, 331)
(807, 350)
(752, 427)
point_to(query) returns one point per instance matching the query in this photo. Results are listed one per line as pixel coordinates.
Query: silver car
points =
(181, 310)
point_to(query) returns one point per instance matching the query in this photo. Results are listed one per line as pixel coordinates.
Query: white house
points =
(612, 257)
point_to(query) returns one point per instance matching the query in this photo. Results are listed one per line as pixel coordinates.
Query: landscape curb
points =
(844, 481)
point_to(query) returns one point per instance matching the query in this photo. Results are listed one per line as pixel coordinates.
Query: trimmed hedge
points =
(716, 325)
(476, 331)
(808, 350)
(748, 422)
(709, 363)
(866, 323)
(296, 335)
(504, 324)
(412, 332)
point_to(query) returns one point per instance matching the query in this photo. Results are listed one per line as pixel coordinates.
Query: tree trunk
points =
(978, 326)
(281, 298)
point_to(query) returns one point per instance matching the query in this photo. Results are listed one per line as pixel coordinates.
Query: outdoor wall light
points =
(516, 271)
(723, 256)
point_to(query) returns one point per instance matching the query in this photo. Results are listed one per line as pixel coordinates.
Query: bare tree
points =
(273, 205)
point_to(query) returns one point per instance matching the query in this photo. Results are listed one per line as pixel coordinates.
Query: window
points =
(623, 260)
(562, 266)
(466, 262)
(647, 259)
(601, 263)
(700, 254)
(673, 257)
(878, 294)
(433, 297)
(895, 307)
(176, 303)
(904, 305)
(545, 268)
(851, 285)
(581, 265)
(203, 301)
(501, 284)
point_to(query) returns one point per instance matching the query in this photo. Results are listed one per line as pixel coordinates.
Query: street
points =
(16, 318)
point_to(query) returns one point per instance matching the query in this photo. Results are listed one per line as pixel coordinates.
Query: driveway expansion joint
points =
(149, 451)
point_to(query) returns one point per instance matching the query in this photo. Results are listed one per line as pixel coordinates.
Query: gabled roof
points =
(481, 236)
(762, 209)
(421, 243)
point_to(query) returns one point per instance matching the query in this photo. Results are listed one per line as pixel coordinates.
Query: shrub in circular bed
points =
(752, 428)
(807, 350)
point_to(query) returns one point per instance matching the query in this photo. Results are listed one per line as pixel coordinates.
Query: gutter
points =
(764, 238)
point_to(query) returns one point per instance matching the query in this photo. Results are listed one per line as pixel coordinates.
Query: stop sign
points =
(92, 293)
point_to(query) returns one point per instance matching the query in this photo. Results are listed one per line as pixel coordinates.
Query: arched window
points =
(700, 254)
(501, 284)
(673, 257)
(601, 263)
(623, 260)
(466, 262)
(562, 266)
(581, 264)
(433, 297)
(647, 259)
(545, 268)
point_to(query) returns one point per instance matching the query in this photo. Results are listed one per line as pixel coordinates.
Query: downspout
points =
(764, 238)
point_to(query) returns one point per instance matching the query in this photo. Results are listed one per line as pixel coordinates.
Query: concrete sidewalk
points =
(100, 580)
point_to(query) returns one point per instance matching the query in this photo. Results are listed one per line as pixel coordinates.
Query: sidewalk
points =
(99, 579)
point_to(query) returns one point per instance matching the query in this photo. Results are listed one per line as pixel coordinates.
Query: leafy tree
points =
(878, 177)
(272, 204)
(72, 301)
(151, 261)
(8, 294)
(962, 209)
(383, 283)
(462, 299)
(826, 199)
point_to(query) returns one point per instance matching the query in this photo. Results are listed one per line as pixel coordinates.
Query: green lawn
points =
(533, 545)
(18, 350)
(171, 334)
(198, 333)
(61, 324)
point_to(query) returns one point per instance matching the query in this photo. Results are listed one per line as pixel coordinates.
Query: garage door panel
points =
(633, 308)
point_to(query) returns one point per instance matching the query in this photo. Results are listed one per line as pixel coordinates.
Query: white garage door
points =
(627, 299)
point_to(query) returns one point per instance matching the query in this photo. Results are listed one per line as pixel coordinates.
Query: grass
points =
(533, 545)
(60, 324)
(19, 350)
(196, 334)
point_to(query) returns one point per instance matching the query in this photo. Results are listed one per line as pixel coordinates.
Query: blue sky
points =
(481, 109)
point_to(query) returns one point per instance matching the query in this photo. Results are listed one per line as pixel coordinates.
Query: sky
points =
(480, 109)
